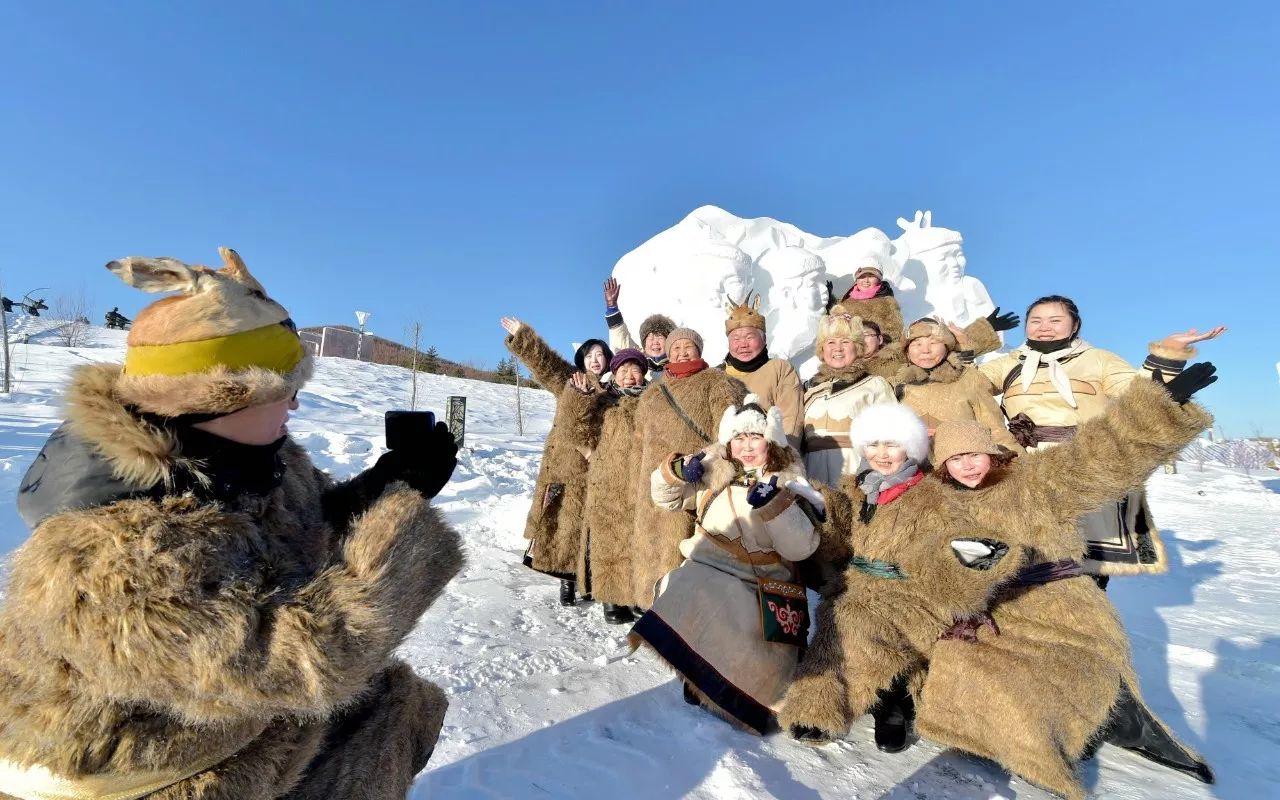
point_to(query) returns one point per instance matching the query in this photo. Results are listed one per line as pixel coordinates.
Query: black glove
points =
(1191, 380)
(427, 467)
(762, 493)
(831, 296)
(1003, 322)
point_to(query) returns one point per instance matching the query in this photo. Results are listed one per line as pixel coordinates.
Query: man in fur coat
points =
(199, 612)
(676, 414)
(773, 380)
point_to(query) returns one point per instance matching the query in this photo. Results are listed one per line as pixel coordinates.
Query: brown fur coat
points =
(659, 432)
(1033, 696)
(604, 559)
(1061, 643)
(952, 392)
(554, 523)
(155, 634)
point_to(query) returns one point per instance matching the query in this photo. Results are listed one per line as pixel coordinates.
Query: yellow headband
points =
(272, 347)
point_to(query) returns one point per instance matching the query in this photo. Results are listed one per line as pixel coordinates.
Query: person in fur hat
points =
(834, 396)
(940, 387)
(750, 498)
(604, 429)
(199, 612)
(1026, 664)
(773, 380)
(871, 299)
(653, 331)
(674, 416)
(1054, 382)
(554, 523)
(886, 352)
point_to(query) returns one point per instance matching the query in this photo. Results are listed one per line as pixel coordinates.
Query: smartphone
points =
(408, 429)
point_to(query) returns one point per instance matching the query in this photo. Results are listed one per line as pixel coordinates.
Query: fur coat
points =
(776, 383)
(1063, 640)
(605, 422)
(706, 619)
(883, 310)
(659, 432)
(890, 359)
(554, 523)
(207, 649)
(953, 391)
(832, 398)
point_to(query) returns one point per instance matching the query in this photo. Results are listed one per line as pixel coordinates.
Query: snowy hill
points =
(546, 702)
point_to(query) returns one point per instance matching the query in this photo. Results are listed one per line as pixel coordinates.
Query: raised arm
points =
(619, 338)
(1111, 454)
(171, 607)
(549, 368)
(582, 406)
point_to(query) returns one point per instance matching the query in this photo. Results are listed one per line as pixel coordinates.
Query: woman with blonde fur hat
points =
(834, 396)
(938, 384)
(754, 514)
(199, 611)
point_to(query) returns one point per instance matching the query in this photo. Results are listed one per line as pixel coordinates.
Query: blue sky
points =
(452, 163)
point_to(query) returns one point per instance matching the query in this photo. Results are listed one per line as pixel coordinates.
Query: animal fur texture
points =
(953, 391)
(606, 422)
(1033, 696)
(152, 634)
(659, 432)
(554, 523)
(777, 385)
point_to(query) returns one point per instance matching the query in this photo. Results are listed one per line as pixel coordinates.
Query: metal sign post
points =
(455, 417)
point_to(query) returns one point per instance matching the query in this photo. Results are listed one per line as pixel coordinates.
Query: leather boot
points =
(893, 715)
(566, 592)
(617, 615)
(1132, 726)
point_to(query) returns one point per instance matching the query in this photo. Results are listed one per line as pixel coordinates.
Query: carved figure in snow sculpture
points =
(686, 276)
(933, 274)
(797, 297)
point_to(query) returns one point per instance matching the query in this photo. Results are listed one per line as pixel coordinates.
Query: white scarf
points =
(1032, 359)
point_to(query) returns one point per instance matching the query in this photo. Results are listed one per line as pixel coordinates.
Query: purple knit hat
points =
(629, 354)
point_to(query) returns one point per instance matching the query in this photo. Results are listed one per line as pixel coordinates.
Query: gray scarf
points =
(872, 483)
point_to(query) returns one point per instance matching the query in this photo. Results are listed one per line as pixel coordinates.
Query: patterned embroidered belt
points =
(1030, 434)
(877, 569)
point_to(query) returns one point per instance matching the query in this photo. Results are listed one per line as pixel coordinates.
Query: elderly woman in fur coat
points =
(1027, 664)
(674, 415)
(834, 396)
(603, 421)
(200, 612)
(751, 502)
(939, 386)
(554, 523)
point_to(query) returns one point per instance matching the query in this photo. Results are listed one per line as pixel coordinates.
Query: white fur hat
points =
(891, 422)
(751, 418)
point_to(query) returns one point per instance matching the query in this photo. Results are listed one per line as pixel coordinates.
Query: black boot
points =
(566, 592)
(690, 696)
(805, 734)
(617, 615)
(893, 715)
(1132, 727)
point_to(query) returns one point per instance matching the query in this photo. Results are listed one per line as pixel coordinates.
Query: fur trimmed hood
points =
(949, 371)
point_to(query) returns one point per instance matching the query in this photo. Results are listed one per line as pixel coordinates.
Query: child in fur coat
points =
(753, 508)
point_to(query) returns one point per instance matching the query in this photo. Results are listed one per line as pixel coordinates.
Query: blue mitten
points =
(693, 469)
(762, 493)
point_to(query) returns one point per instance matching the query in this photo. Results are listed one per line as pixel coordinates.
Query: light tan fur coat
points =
(1033, 696)
(952, 392)
(152, 634)
(554, 523)
(607, 428)
(659, 432)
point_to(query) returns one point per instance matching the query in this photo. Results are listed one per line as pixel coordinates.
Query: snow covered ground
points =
(546, 703)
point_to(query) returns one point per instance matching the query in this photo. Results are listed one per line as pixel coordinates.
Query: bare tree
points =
(413, 367)
(1246, 455)
(74, 311)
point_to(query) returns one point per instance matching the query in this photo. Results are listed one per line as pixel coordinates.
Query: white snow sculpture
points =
(795, 295)
(688, 270)
(933, 279)
(685, 272)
